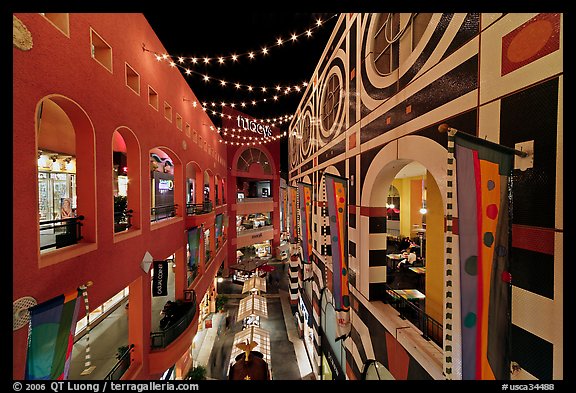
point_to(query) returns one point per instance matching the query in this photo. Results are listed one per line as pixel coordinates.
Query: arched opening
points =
(126, 179)
(163, 202)
(217, 191)
(66, 170)
(194, 189)
(333, 352)
(420, 181)
(375, 371)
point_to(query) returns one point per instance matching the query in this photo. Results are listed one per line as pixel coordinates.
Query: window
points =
(100, 50)
(386, 42)
(253, 155)
(132, 79)
(178, 121)
(167, 111)
(187, 128)
(331, 102)
(152, 98)
(60, 21)
(419, 23)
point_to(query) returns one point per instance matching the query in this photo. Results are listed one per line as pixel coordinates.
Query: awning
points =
(252, 305)
(256, 334)
(254, 283)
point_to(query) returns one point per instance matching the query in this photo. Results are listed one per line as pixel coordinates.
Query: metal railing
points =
(165, 337)
(198, 208)
(121, 366)
(162, 212)
(60, 233)
(254, 199)
(430, 328)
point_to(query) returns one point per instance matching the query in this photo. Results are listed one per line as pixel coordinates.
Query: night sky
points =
(210, 34)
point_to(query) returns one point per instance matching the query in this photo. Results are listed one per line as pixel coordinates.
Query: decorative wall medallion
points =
(184, 144)
(21, 36)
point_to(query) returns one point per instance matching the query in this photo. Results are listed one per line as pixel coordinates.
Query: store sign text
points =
(164, 184)
(251, 125)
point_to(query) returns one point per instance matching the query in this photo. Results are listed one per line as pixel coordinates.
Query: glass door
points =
(44, 197)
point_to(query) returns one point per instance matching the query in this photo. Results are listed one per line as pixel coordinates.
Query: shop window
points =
(152, 98)
(59, 20)
(330, 103)
(132, 79)
(168, 111)
(179, 121)
(100, 50)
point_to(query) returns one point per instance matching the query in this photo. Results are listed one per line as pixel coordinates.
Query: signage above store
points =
(165, 184)
(251, 125)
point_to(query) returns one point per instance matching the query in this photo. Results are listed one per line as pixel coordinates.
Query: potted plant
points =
(120, 213)
(221, 300)
(197, 373)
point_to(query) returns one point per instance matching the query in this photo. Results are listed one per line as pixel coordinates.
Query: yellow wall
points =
(434, 250)
(403, 187)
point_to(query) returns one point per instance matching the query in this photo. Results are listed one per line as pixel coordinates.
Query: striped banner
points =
(305, 200)
(51, 337)
(336, 199)
(483, 179)
(292, 214)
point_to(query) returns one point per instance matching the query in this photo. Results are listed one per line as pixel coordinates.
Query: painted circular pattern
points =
(529, 41)
(346, 301)
(492, 211)
(490, 184)
(344, 271)
(470, 320)
(471, 265)
(488, 239)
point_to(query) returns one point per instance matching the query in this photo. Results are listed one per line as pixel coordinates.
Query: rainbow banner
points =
(305, 197)
(483, 179)
(293, 214)
(336, 199)
(51, 337)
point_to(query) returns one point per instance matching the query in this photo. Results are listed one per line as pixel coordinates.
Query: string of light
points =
(286, 89)
(251, 55)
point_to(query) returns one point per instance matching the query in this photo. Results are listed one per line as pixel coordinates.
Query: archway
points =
(384, 168)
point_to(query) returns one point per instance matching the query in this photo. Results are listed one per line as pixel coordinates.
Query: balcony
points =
(254, 205)
(60, 233)
(198, 208)
(158, 213)
(163, 338)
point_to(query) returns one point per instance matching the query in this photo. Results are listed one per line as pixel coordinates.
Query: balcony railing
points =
(162, 212)
(430, 328)
(120, 368)
(254, 199)
(165, 337)
(198, 208)
(60, 233)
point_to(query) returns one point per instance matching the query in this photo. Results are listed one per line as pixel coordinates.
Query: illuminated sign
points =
(251, 125)
(165, 184)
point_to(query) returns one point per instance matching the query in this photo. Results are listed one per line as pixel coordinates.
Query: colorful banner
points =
(293, 214)
(336, 199)
(160, 279)
(51, 337)
(194, 247)
(284, 198)
(305, 198)
(218, 226)
(483, 173)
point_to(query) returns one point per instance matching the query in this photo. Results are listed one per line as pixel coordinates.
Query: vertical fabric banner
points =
(194, 246)
(160, 279)
(293, 214)
(284, 197)
(305, 197)
(218, 225)
(483, 177)
(336, 199)
(51, 337)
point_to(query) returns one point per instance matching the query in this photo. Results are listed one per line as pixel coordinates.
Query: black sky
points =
(225, 33)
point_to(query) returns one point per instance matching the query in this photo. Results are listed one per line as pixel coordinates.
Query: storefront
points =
(263, 249)
(56, 186)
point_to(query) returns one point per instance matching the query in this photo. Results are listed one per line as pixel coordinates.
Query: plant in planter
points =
(197, 373)
(221, 300)
(120, 213)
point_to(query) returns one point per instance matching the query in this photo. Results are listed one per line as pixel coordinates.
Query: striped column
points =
(448, 278)
(377, 254)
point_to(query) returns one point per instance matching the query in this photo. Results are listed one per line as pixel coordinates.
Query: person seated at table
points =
(408, 258)
(404, 243)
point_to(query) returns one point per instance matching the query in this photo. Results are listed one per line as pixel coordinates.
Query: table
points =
(418, 270)
(408, 294)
